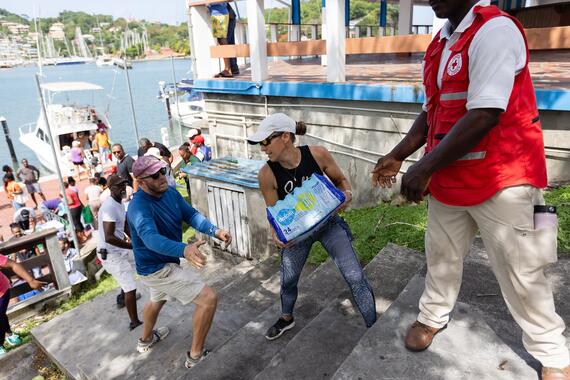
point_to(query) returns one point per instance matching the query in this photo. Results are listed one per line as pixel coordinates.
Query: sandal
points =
(191, 362)
(224, 74)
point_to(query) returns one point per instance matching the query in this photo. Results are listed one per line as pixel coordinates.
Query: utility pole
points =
(56, 159)
(9, 142)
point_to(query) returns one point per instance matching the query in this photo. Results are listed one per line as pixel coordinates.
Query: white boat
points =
(66, 121)
(122, 63)
(186, 105)
(104, 60)
(72, 61)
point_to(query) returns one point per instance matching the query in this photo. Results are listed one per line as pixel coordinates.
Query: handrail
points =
(538, 39)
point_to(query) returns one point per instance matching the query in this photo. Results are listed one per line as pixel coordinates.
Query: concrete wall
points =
(356, 132)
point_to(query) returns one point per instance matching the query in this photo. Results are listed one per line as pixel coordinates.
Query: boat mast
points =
(38, 46)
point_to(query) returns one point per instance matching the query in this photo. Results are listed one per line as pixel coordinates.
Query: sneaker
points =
(191, 362)
(279, 328)
(2, 351)
(157, 335)
(14, 340)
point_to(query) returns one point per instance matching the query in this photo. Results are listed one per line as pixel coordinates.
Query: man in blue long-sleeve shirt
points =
(155, 219)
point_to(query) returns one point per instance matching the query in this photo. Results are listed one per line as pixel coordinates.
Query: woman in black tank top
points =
(287, 167)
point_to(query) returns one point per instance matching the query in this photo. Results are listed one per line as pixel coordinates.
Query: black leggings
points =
(4, 324)
(76, 218)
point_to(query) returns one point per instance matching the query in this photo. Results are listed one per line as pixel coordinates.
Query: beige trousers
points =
(518, 255)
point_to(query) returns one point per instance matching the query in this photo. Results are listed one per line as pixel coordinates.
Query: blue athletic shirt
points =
(219, 9)
(156, 228)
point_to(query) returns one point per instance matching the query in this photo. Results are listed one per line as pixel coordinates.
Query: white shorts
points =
(120, 264)
(174, 282)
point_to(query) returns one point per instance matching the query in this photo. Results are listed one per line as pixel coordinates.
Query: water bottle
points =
(545, 217)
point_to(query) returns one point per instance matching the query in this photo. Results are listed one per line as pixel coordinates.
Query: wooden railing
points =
(50, 257)
(556, 38)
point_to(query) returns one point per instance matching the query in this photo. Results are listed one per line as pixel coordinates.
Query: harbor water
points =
(19, 99)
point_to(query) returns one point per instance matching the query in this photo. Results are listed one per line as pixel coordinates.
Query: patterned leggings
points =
(335, 236)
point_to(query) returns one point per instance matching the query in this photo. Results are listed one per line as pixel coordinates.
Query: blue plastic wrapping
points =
(305, 209)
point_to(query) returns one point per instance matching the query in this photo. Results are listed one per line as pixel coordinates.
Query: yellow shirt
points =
(102, 140)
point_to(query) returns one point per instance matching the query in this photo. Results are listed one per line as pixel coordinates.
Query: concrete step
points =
(251, 280)
(106, 327)
(467, 349)
(114, 346)
(248, 351)
(310, 354)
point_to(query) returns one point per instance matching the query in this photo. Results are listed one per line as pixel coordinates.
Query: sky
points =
(166, 11)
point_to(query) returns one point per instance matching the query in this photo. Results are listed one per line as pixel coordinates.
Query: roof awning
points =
(70, 86)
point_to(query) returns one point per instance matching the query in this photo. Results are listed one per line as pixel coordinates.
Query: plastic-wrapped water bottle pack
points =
(305, 209)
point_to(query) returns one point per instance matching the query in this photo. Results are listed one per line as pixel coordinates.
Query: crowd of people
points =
(100, 208)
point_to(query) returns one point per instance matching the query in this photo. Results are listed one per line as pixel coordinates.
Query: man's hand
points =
(35, 284)
(415, 183)
(193, 254)
(385, 171)
(224, 236)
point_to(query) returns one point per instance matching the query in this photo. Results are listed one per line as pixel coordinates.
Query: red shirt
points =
(72, 198)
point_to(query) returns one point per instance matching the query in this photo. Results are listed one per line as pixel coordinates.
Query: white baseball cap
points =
(153, 151)
(193, 132)
(278, 122)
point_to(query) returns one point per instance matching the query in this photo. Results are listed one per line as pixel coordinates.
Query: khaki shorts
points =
(174, 282)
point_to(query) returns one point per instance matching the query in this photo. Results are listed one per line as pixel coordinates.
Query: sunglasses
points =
(157, 174)
(267, 141)
(116, 152)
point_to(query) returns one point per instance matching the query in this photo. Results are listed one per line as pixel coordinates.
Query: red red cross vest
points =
(511, 154)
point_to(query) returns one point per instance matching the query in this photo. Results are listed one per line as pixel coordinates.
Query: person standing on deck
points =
(220, 18)
(102, 141)
(30, 175)
(155, 219)
(483, 169)
(286, 169)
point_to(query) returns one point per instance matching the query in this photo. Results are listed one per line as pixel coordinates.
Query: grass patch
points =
(374, 227)
(85, 293)
(560, 198)
(188, 232)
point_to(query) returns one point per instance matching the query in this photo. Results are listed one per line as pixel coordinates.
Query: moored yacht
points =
(68, 122)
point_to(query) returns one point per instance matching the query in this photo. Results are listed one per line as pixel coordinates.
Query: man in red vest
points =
(483, 169)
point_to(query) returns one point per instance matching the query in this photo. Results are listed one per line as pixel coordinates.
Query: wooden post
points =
(336, 37)
(323, 30)
(57, 263)
(257, 40)
(206, 67)
(405, 17)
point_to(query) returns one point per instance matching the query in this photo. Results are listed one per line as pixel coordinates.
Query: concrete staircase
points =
(329, 339)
